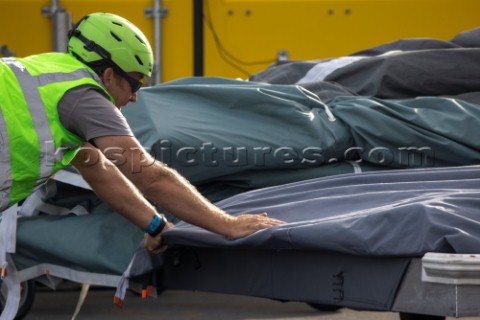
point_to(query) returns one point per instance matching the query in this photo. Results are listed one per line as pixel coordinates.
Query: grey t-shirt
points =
(87, 113)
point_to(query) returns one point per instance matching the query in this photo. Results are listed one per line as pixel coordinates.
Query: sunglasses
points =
(135, 84)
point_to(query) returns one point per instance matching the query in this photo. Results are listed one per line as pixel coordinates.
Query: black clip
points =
(338, 281)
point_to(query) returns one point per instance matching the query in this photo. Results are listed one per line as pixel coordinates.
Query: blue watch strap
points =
(156, 226)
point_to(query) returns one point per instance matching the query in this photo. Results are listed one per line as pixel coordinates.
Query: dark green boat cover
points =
(222, 132)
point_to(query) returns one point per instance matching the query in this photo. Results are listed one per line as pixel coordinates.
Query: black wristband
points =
(159, 228)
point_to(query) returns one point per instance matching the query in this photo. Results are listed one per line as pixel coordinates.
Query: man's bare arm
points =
(118, 192)
(174, 193)
(112, 186)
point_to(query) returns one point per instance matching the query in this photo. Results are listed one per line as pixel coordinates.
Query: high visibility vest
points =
(33, 142)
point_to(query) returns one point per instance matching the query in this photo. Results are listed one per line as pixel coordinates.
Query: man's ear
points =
(107, 77)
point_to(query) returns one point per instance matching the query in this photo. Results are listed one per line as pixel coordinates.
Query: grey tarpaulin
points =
(406, 68)
(326, 278)
(382, 213)
(101, 242)
(213, 128)
(362, 228)
(348, 240)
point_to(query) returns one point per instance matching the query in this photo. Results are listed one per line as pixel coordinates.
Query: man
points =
(61, 108)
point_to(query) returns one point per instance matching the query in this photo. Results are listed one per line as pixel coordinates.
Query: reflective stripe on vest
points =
(44, 150)
(5, 171)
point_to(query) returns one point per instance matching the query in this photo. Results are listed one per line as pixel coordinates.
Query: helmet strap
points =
(91, 45)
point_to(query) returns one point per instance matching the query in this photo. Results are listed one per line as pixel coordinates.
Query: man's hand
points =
(246, 224)
(154, 244)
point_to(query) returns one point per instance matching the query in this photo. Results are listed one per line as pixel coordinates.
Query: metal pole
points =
(198, 41)
(157, 34)
(157, 13)
(61, 23)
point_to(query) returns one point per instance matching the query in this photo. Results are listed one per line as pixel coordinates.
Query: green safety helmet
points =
(106, 36)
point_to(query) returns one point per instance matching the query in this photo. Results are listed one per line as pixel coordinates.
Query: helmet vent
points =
(139, 39)
(139, 60)
(116, 37)
(117, 23)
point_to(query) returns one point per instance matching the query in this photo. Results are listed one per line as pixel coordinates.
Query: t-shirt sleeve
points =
(87, 113)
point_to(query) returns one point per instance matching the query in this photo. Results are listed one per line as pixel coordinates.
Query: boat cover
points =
(231, 136)
(344, 222)
(384, 213)
(405, 68)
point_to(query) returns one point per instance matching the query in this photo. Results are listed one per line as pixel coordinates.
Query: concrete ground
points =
(182, 305)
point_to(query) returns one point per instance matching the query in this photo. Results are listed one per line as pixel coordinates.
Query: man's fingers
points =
(266, 219)
(154, 245)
